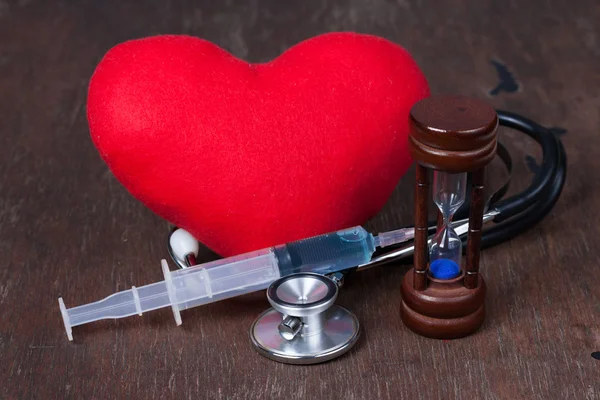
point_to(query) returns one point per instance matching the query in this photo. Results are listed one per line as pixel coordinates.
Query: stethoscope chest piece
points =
(304, 326)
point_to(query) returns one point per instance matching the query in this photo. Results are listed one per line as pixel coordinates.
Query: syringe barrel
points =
(221, 279)
(328, 253)
(249, 272)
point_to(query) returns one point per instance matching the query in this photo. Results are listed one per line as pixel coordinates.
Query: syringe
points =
(238, 275)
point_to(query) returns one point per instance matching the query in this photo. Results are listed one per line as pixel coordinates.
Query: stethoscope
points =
(305, 325)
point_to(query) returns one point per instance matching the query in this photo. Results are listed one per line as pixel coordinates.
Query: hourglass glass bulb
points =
(449, 191)
(446, 247)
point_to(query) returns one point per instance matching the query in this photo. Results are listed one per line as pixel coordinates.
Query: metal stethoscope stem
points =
(461, 227)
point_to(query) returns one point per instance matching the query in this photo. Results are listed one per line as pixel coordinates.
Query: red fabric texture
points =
(246, 156)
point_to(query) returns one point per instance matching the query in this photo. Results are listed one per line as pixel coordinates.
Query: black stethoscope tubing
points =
(522, 211)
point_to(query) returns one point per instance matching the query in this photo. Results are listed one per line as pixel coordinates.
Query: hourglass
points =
(442, 296)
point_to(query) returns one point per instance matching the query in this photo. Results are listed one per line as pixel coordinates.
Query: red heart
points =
(245, 156)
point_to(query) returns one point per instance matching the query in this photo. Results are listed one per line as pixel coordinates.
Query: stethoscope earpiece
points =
(183, 248)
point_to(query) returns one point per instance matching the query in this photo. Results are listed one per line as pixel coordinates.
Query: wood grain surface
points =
(69, 229)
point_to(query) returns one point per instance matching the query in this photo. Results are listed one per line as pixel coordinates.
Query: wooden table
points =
(68, 228)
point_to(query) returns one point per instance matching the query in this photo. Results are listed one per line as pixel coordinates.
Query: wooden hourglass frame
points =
(452, 134)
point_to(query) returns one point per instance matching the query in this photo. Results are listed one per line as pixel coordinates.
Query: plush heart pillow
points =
(246, 156)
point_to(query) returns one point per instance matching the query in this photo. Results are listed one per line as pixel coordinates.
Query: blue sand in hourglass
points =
(443, 268)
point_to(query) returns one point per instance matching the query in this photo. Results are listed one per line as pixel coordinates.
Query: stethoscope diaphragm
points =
(304, 326)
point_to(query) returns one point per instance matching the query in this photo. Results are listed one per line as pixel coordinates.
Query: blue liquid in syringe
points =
(327, 253)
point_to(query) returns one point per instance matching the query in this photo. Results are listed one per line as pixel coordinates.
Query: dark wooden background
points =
(68, 228)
